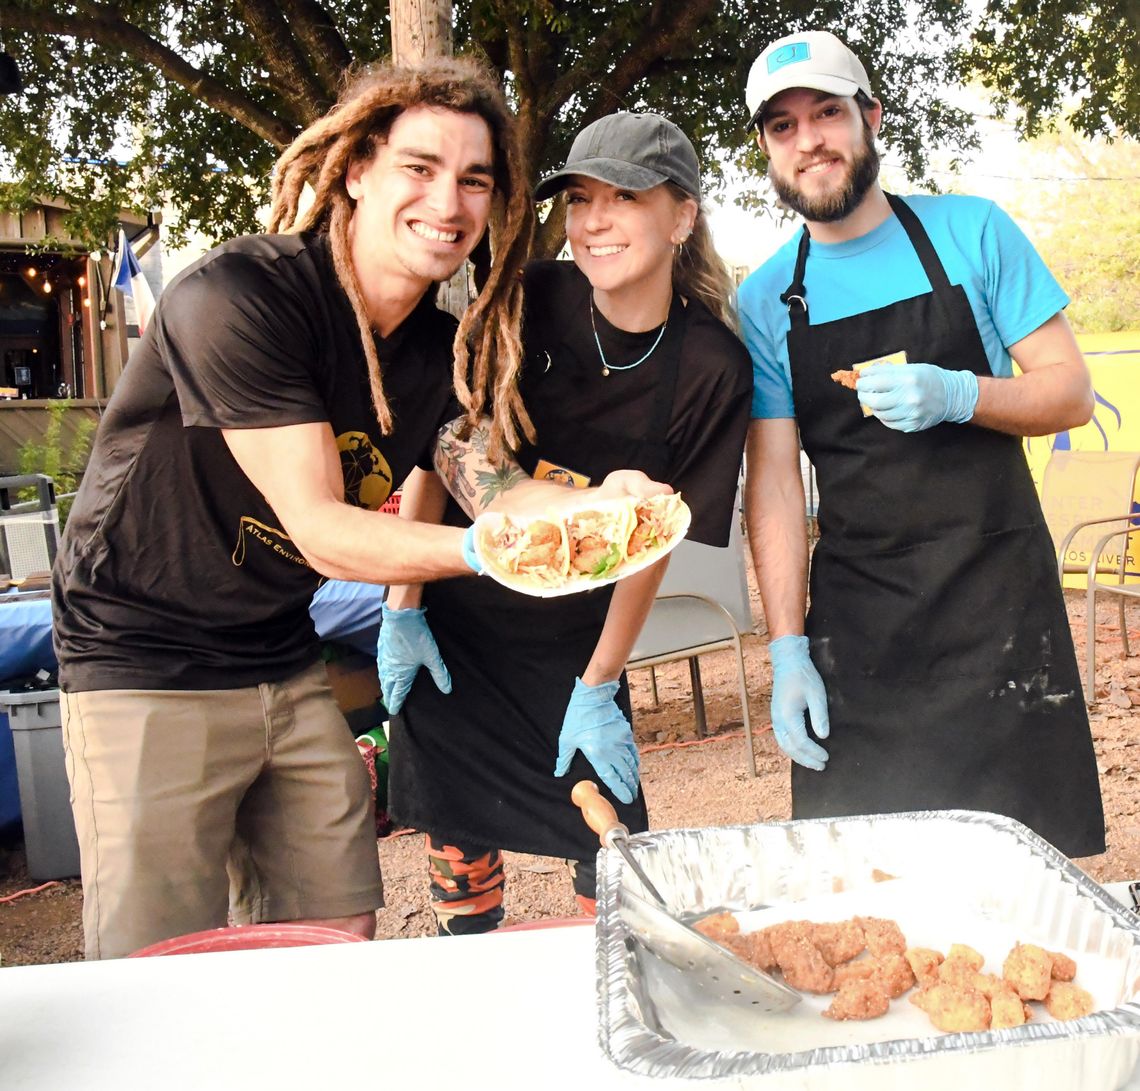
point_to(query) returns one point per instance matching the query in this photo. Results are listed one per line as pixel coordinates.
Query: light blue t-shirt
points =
(1011, 291)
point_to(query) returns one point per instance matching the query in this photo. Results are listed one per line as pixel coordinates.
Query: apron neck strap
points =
(920, 240)
(795, 296)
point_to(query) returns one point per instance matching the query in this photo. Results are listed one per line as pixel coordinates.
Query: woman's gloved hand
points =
(406, 644)
(595, 725)
(796, 686)
(914, 397)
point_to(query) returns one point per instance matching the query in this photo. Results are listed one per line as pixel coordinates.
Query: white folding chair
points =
(702, 606)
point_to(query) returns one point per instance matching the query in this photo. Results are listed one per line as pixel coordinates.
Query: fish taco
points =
(529, 556)
(659, 522)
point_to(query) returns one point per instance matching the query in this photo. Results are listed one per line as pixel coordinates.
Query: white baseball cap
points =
(812, 58)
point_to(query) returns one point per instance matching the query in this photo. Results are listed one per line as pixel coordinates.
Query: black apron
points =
(936, 619)
(477, 766)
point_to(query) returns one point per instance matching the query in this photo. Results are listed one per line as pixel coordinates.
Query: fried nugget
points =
(894, 975)
(1064, 968)
(858, 1000)
(845, 378)
(753, 948)
(989, 985)
(718, 927)
(965, 953)
(799, 959)
(957, 971)
(884, 937)
(839, 942)
(924, 963)
(1029, 969)
(1007, 1009)
(858, 969)
(1068, 1001)
(952, 1008)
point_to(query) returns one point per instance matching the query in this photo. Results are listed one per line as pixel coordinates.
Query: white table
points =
(512, 1012)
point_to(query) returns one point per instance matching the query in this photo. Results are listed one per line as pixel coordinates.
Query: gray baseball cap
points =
(632, 151)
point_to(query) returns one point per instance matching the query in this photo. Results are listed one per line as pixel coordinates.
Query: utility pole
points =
(422, 29)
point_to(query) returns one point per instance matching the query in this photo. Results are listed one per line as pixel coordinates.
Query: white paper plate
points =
(575, 581)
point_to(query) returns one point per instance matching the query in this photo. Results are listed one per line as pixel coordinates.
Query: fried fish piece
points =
(839, 941)
(952, 1008)
(800, 961)
(1068, 1001)
(718, 926)
(924, 962)
(884, 937)
(965, 953)
(1064, 968)
(845, 378)
(754, 948)
(858, 1000)
(894, 974)
(1029, 969)
(1007, 1009)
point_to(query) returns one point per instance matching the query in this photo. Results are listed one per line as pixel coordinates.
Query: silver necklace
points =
(607, 367)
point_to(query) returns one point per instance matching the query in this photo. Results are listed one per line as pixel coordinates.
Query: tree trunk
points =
(422, 29)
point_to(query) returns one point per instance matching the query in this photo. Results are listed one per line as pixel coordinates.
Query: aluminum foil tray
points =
(955, 877)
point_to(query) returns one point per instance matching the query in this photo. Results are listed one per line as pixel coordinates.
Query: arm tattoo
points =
(471, 477)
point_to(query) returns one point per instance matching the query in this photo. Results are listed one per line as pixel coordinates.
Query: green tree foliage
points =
(1073, 58)
(61, 460)
(146, 103)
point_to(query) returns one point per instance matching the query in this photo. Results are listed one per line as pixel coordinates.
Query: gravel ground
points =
(687, 782)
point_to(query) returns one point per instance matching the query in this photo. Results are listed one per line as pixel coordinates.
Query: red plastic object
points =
(392, 504)
(248, 937)
(553, 922)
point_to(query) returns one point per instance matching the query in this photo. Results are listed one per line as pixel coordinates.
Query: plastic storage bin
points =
(49, 830)
(9, 784)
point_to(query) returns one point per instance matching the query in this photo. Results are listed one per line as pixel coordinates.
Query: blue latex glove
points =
(914, 397)
(595, 725)
(469, 554)
(796, 686)
(406, 644)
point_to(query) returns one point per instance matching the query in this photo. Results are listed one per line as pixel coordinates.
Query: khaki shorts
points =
(193, 804)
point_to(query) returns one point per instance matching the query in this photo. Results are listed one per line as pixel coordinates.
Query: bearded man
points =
(936, 658)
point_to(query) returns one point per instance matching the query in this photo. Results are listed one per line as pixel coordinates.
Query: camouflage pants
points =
(467, 887)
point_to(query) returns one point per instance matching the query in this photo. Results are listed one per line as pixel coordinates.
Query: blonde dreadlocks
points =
(488, 353)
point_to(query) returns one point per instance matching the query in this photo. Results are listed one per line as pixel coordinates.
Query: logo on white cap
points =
(813, 58)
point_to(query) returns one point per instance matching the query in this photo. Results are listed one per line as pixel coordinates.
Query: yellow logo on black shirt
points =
(367, 475)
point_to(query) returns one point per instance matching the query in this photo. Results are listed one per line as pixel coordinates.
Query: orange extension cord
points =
(33, 890)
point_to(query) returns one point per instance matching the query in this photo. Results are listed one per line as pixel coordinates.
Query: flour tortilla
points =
(510, 551)
(659, 522)
(501, 541)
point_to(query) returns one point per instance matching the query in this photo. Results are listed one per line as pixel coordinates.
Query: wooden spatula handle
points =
(598, 812)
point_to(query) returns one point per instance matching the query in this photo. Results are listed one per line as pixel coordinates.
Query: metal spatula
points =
(715, 970)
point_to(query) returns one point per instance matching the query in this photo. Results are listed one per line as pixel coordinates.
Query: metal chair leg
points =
(698, 697)
(1090, 641)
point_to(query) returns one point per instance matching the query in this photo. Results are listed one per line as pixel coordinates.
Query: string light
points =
(82, 282)
(30, 272)
(47, 287)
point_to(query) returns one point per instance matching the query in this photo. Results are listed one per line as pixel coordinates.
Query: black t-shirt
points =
(709, 419)
(174, 571)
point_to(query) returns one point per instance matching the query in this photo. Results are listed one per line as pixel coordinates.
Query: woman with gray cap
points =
(629, 362)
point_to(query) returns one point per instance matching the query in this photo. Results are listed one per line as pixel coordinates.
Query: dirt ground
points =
(687, 781)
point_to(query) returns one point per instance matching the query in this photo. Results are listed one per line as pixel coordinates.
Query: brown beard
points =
(840, 204)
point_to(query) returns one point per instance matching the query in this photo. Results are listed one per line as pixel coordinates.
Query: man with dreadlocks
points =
(287, 384)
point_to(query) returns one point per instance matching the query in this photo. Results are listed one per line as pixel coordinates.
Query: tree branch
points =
(284, 58)
(109, 29)
(315, 29)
